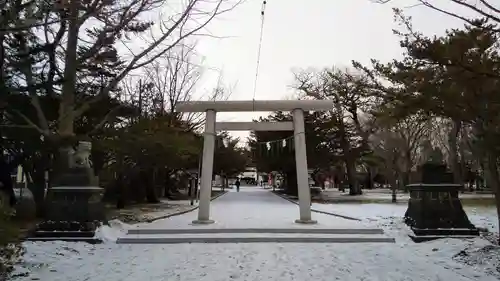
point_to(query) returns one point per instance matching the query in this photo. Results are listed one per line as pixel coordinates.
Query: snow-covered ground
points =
(477, 253)
(484, 217)
(447, 259)
(382, 195)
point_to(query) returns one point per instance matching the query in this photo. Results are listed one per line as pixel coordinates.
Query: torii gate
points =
(297, 107)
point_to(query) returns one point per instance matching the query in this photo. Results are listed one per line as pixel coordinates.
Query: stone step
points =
(201, 230)
(252, 238)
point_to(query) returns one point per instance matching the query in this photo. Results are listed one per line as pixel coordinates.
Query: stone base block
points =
(65, 231)
(89, 240)
(446, 231)
(202, 222)
(75, 203)
(301, 221)
(425, 238)
(436, 206)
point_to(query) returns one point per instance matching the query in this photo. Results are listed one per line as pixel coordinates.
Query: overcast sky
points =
(302, 34)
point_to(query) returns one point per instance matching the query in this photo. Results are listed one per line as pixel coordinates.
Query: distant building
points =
(250, 172)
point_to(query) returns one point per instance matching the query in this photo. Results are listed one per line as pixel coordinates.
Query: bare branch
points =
(156, 48)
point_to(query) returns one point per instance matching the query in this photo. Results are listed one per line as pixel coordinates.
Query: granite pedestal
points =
(73, 208)
(434, 209)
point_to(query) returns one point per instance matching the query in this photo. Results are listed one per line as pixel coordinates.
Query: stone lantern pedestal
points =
(73, 208)
(434, 209)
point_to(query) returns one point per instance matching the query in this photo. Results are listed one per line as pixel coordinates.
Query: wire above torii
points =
(262, 16)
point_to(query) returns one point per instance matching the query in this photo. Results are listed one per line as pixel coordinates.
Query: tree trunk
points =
(67, 104)
(405, 180)
(405, 174)
(495, 184)
(151, 196)
(169, 183)
(354, 188)
(38, 190)
(454, 161)
(339, 178)
(391, 178)
(291, 183)
(7, 186)
(66, 116)
(121, 190)
(371, 178)
(350, 164)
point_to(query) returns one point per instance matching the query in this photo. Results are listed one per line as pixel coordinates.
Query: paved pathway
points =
(252, 207)
(254, 215)
(246, 262)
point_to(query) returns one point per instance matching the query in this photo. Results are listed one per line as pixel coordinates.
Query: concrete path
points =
(252, 207)
(250, 216)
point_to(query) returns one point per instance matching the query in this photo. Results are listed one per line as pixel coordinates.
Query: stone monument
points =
(73, 205)
(434, 209)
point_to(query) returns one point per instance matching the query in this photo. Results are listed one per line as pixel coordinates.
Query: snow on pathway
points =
(252, 208)
(214, 262)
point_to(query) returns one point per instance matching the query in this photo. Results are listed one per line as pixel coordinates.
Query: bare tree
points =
(447, 136)
(175, 78)
(458, 143)
(91, 30)
(398, 143)
(352, 98)
(385, 146)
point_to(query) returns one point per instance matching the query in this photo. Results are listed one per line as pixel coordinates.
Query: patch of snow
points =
(485, 259)
(282, 262)
(485, 217)
(385, 195)
(110, 233)
(40, 255)
(476, 253)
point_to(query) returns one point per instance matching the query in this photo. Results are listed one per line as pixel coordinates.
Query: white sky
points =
(303, 34)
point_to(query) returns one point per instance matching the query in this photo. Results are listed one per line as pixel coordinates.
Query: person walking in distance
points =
(238, 185)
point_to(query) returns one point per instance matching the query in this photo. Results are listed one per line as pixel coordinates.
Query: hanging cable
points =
(262, 16)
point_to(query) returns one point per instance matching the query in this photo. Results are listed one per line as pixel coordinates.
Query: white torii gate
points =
(297, 108)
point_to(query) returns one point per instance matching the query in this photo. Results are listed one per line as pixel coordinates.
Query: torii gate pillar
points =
(296, 107)
(301, 166)
(207, 169)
